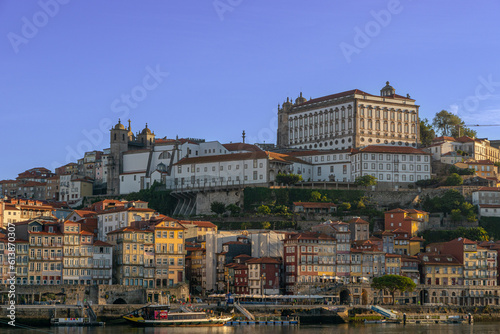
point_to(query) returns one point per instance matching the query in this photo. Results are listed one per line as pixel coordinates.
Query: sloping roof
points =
(398, 210)
(433, 258)
(444, 138)
(129, 229)
(84, 213)
(241, 147)
(198, 223)
(121, 209)
(265, 260)
(357, 220)
(489, 189)
(349, 93)
(489, 206)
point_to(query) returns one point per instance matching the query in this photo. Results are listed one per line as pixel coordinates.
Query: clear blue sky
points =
(66, 69)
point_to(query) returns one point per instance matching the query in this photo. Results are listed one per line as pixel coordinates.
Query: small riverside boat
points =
(161, 315)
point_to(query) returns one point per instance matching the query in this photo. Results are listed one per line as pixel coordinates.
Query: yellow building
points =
(393, 264)
(440, 269)
(129, 250)
(404, 244)
(169, 252)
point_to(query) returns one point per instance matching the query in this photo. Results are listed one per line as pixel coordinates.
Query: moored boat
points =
(161, 315)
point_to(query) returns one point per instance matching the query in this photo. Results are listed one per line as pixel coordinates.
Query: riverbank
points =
(39, 315)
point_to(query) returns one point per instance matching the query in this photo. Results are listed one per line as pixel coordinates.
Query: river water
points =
(478, 328)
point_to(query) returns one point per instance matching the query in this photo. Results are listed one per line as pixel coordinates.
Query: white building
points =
(255, 168)
(349, 119)
(391, 164)
(114, 219)
(73, 189)
(102, 263)
(488, 201)
(324, 165)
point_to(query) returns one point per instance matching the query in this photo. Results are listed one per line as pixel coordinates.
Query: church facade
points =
(351, 119)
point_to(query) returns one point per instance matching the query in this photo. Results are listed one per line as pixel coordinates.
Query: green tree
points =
(281, 209)
(448, 124)
(427, 133)
(345, 206)
(234, 209)
(454, 180)
(315, 196)
(360, 205)
(456, 215)
(366, 180)
(288, 179)
(264, 210)
(266, 225)
(218, 207)
(393, 283)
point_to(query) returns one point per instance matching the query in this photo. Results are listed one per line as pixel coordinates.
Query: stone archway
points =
(444, 297)
(345, 297)
(364, 297)
(424, 297)
(120, 301)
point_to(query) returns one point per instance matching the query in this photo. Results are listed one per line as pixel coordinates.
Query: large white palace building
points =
(351, 119)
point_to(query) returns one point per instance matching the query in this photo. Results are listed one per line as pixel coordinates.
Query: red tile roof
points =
(265, 260)
(442, 138)
(85, 213)
(489, 189)
(240, 156)
(241, 147)
(121, 209)
(357, 220)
